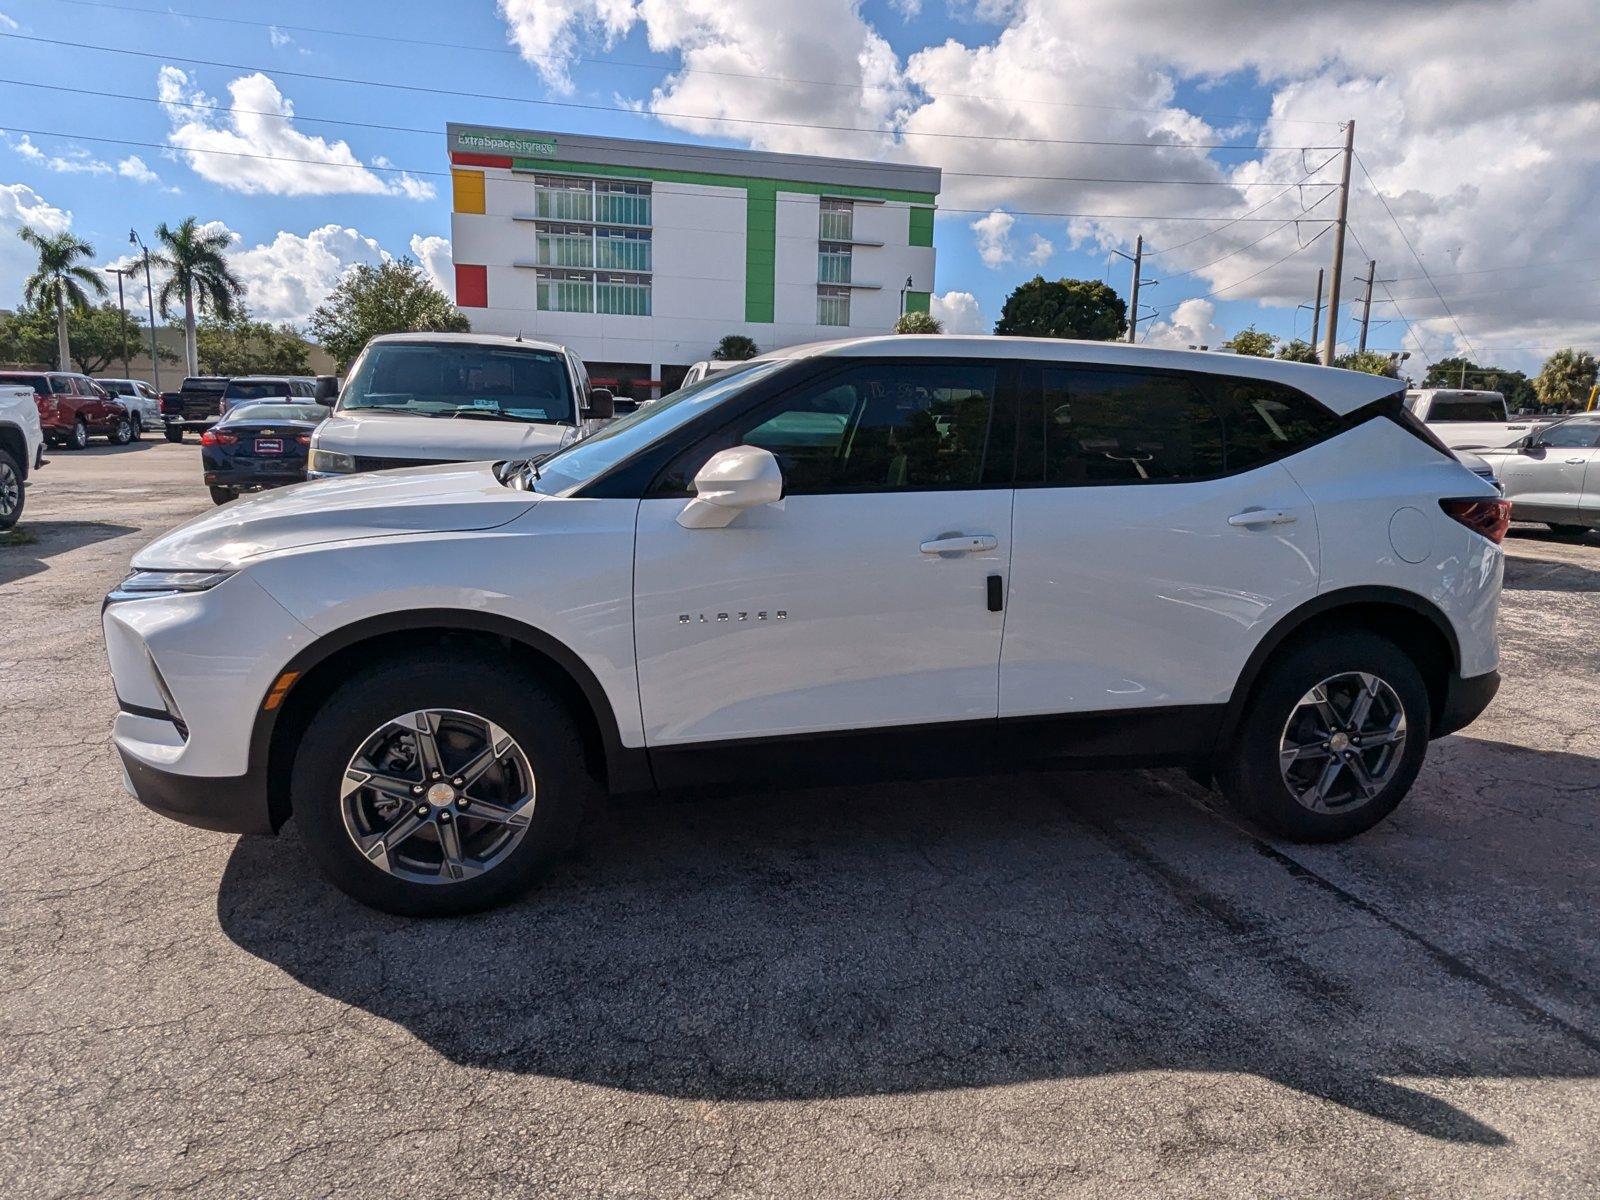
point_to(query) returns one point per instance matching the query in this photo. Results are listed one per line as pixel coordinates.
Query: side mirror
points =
(325, 390)
(731, 481)
(602, 405)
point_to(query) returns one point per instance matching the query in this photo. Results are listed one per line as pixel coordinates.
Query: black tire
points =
(138, 427)
(1248, 771)
(13, 491)
(174, 435)
(1569, 531)
(529, 712)
(121, 433)
(221, 495)
(79, 437)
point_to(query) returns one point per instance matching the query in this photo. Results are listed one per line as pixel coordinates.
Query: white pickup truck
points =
(1465, 420)
(21, 449)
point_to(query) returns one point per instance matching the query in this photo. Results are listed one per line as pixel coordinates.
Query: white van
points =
(415, 399)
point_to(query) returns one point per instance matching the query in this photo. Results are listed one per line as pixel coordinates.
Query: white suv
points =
(887, 555)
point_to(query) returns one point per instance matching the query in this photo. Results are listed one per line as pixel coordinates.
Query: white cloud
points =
(959, 312)
(7, 23)
(135, 168)
(433, 253)
(994, 238)
(906, 8)
(72, 161)
(1040, 250)
(20, 205)
(1190, 324)
(289, 276)
(246, 151)
(278, 37)
(546, 31)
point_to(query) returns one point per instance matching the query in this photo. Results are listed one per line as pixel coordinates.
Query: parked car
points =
(142, 401)
(1468, 420)
(72, 408)
(21, 448)
(414, 399)
(884, 555)
(261, 444)
(1480, 468)
(194, 407)
(247, 389)
(1554, 476)
(711, 366)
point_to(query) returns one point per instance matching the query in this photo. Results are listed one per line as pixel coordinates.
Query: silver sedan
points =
(1553, 475)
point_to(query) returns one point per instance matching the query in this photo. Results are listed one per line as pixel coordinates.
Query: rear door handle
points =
(960, 543)
(1257, 517)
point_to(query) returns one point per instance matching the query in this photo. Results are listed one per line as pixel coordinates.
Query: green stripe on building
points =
(760, 252)
(921, 231)
(919, 301)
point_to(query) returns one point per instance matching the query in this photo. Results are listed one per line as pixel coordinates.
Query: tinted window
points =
(61, 385)
(445, 380)
(268, 411)
(118, 387)
(258, 389)
(887, 425)
(1264, 421)
(38, 383)
(1467, 408)
(1091, 426)
(1571, 435)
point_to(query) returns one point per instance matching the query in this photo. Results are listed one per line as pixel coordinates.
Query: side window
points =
(61, 385)
(1265, 421)
(1097, 426)
(1572, 435)
(878, 427)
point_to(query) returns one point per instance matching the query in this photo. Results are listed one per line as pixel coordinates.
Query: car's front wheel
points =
(439, 784)
(12, 490)
(121, 432)
(1331, 739)
(138, 426)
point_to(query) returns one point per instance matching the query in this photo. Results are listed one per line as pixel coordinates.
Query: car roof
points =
(273, 379)
(1343, 391)
(469, 339)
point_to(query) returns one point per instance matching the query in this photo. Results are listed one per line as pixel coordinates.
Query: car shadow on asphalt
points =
(1546, 575)
(25, 549)
(981, 932)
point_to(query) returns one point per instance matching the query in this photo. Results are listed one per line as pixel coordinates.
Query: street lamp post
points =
(122, 307)
(150, 296)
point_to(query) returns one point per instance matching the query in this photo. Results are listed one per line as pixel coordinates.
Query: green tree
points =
(918, 322)
(1252, 342)
(97, 336)
(1457, 372)
(242, 346)
(200, 276)
(1065, 308)
(61, 282)
(392, 297)
(1565, 380)
(1371, 362)
(735, 347)
(1298, 350)
(28, 336)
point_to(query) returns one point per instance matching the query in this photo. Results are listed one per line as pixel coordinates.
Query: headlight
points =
(144, 584)
(331, 462)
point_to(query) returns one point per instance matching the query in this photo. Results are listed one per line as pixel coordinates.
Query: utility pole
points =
(1137, 259)
(150, 296)
(1342, 222)
(1366, 302)
(1316, 313)
(122, 307)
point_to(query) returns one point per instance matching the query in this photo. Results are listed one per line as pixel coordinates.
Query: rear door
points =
(1554, 477)
(1155, 537)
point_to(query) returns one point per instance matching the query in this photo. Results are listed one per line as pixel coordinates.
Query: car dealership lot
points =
(1064, 983)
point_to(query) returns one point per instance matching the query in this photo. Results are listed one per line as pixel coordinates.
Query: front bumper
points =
(236, 804)
(1465, 700)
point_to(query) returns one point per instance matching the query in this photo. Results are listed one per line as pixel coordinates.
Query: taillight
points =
(1491, 518)
(304, 439)
(212, 438)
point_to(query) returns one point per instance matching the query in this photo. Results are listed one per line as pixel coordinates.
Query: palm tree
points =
(200, 275)
(60, 281)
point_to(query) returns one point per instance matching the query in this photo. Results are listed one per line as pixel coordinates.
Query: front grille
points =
(368, 462)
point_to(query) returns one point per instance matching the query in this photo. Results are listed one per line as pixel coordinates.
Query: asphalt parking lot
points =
(1092, 984)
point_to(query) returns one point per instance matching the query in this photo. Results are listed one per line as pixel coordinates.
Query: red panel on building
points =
(479, 160)
(472, 286)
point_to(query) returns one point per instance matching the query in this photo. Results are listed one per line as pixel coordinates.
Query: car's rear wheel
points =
(1569, 531)
(1331, 739)
(78, 436)
(439, 784)
(221, 495)
(12, 490)
(174, 435)
(121, 433)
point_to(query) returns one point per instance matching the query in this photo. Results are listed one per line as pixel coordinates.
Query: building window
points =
(833, 306)
(622, 203)
(566, 291)
(561, 199)
(622, 249)
(833, 264)
(622, 295)
(565, 246)
(838, 221)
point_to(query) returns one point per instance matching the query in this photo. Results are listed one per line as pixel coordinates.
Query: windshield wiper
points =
(486, 414)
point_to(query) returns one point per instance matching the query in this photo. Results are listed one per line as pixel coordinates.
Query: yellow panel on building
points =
(468, 189)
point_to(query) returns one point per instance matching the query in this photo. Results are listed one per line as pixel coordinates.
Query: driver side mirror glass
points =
(602, 404)
(731, 481)
(326, 389)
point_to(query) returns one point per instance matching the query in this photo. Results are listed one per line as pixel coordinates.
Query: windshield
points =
(275, 412)
(259, 389)
(461, 380)
(575, 466)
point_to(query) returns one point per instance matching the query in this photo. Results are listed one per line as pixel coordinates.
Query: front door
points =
(860, 600)
(1556, 477)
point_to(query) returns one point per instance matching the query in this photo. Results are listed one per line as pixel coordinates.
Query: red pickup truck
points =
(74, 407)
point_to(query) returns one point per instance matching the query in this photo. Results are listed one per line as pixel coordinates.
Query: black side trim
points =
(1465, 702)
(227, 804)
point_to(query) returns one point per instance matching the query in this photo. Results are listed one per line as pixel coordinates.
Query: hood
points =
(436, 439)
(443, 499)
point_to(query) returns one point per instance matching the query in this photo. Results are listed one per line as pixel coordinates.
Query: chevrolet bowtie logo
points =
(713, 618)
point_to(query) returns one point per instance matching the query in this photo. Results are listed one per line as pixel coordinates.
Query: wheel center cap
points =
(1338, 742)
(441, 794)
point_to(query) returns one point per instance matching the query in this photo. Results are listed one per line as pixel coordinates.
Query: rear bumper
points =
(190, 424)
(236, 804)
(1465, 700)
(252, 479)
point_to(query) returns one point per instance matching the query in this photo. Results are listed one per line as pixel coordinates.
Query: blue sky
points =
(1099, 88)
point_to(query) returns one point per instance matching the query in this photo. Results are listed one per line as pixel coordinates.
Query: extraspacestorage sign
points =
(505, 143)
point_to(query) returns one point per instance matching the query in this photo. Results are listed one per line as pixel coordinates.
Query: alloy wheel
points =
(10, 490)
(437, 796)
(1343, 742)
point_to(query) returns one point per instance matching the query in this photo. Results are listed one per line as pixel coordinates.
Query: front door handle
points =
(1574, 462)
(960, 543)
(1257, 517)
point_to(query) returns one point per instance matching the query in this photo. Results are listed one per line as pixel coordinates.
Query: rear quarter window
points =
(1264, 421)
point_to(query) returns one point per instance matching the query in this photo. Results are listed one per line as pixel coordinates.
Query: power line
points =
(1418, 339)
(1248, 212)
(1294, 220)
(1265, 269)
(422, 89)
(663, 189)
(433, 44)
(1532, 287)
(690, 153)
